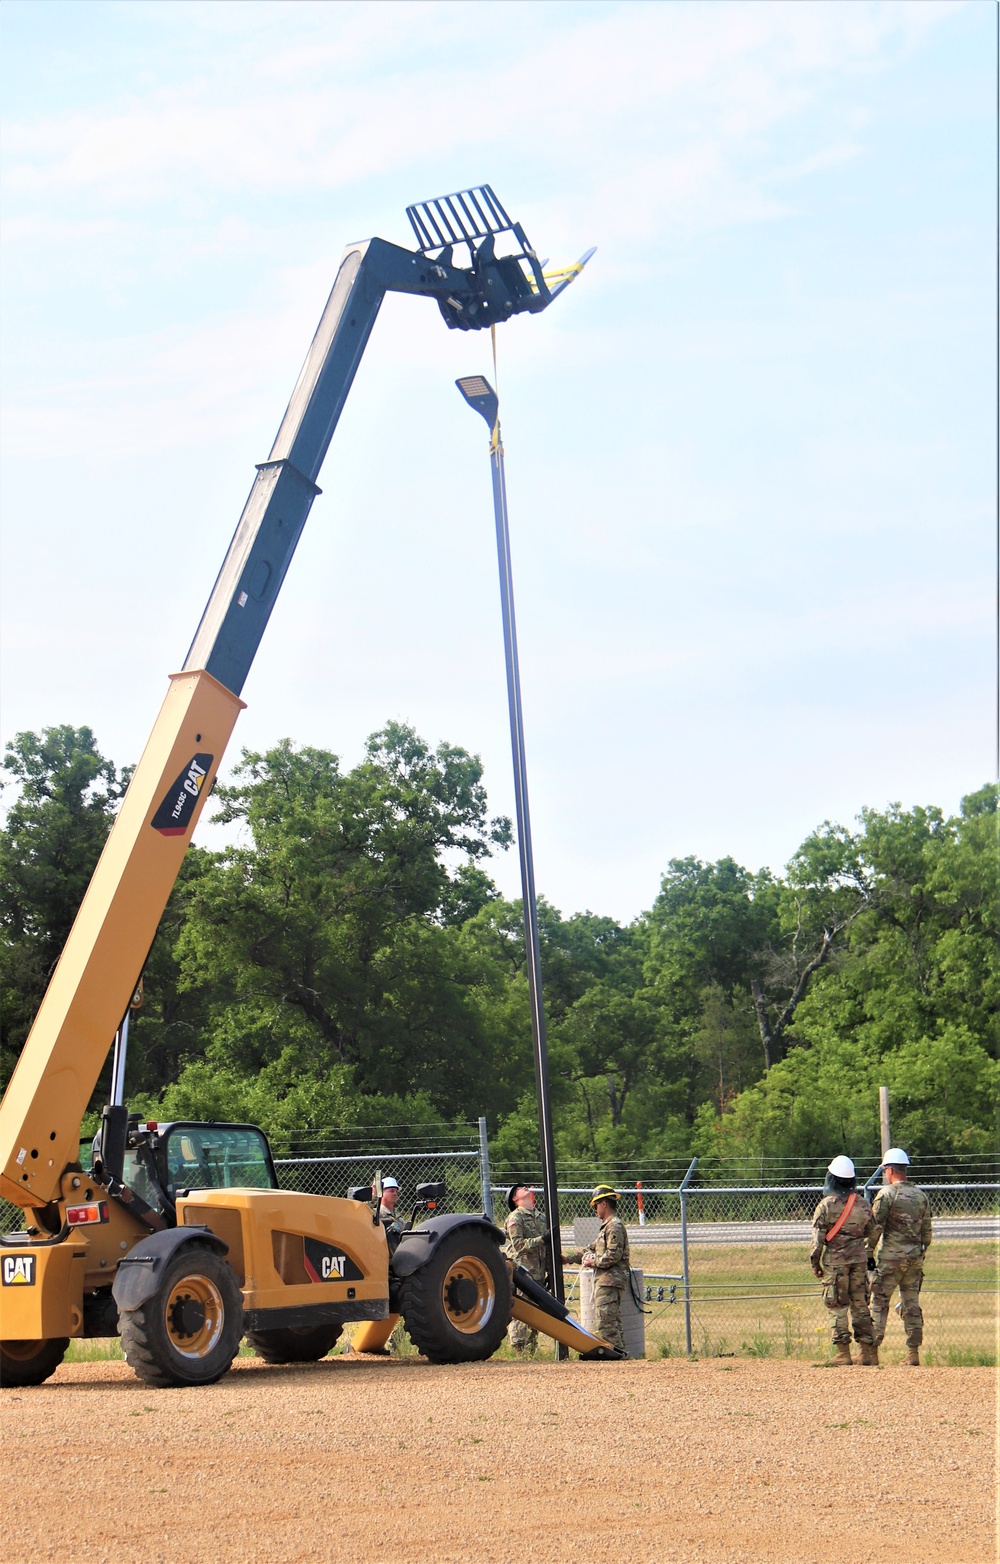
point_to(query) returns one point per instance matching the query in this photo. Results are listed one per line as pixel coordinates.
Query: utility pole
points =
(883, 1118)
(483, 399)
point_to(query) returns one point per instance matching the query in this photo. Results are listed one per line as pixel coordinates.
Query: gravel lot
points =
(502, 1461)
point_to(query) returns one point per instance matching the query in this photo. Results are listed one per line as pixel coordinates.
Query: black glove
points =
(871, 1264)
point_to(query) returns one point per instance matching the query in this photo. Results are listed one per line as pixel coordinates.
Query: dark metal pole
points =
(120, 1055)
(484, 1170)
(118, 1063)
(480, 395)
(684, 1254)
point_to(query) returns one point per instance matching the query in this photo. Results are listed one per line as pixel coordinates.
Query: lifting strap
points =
(842, 1218)
(495, 438)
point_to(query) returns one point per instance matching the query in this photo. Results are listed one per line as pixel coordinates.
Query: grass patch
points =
(759, 1345)
(961, 1357)
(766, 1293)
(95, 1349)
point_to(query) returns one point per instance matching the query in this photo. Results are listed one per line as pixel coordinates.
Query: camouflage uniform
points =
(902, 1214)
(845, 1265)
(612, 1265)
(525, 1246)
(395, 1226)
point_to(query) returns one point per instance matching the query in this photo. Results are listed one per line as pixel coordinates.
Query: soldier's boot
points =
(842, 1358)
(869, 1354)
(913, 1357)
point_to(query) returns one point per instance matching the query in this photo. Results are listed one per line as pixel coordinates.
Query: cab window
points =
(217, 1156)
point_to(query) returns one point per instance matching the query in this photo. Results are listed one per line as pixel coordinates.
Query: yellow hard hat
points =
(603, 1192)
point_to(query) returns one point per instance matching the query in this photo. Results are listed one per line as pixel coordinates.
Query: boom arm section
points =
(279, 502)
(117, 922)
(110, 939)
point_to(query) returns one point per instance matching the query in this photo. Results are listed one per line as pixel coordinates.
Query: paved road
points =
(971, 1227)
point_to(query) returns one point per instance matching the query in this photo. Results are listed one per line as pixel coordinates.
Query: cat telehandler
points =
(177, 1236)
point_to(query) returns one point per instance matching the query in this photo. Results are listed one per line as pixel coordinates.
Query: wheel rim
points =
(468, 1293)
(195, 1316)
(23, 1351)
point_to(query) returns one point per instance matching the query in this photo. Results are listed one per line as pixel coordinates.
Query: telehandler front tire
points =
(30, 1362)
(294, 1344)
(456, 1308)
(189, 1331)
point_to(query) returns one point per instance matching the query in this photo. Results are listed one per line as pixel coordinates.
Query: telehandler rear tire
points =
(189, 1331)
(456, 1308)
(30, 1362)
(294, 1344)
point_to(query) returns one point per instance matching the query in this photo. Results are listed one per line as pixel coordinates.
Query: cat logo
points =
(19, 1270)
(325, 1263)
(173, 815)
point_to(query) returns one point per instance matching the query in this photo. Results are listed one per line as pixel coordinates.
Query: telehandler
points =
(178, 1236)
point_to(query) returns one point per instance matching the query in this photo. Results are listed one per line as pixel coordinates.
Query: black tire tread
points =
(144, 1340)
(294, 1346)
(424, 1318)
(15, 1372)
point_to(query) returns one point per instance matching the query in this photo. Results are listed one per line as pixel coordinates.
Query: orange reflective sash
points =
(842, 1218)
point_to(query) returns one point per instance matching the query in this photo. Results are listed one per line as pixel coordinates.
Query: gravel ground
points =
(401, 1461)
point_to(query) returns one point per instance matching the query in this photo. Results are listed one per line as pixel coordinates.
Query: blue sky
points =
(750, 455)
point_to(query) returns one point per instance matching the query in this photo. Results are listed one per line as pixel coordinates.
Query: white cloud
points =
(603, 94)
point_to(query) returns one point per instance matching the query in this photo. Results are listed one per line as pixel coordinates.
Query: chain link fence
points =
(725, 1264)
(754, 1304)
(779, 1214)
(726, 1272)
(460, 1171)
(455, 1155)
(749, 1291)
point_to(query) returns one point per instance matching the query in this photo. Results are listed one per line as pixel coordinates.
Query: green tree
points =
(327, 937)
(65, 795)
(726, 1045)
(827, 888)
(168, 1028)
(908, 1000)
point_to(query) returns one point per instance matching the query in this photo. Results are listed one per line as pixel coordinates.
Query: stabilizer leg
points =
(566, 1330)
(372, 1335)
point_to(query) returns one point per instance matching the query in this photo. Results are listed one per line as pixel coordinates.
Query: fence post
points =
(484, 1170)
(883, 1118)
(684, 1253)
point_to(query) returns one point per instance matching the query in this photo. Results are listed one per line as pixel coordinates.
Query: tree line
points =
(347, 959)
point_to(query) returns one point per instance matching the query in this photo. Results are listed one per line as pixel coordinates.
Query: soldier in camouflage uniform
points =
(526, 1247)
(843, 1236)
(394, 1225)
(608, 1257)
(902, 1215)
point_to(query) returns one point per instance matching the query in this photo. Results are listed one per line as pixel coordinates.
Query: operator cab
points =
(212, 1156)
(160, 1161)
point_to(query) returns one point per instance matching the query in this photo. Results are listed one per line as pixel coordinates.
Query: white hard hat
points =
(896, 1158)
(390, 1183)
(841, 1167)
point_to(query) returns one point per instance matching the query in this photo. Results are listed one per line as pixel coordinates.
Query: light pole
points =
(483, 399)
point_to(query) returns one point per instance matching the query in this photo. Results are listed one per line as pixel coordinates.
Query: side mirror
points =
(361, 1192)
(431, 1192)
(109, 1144)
